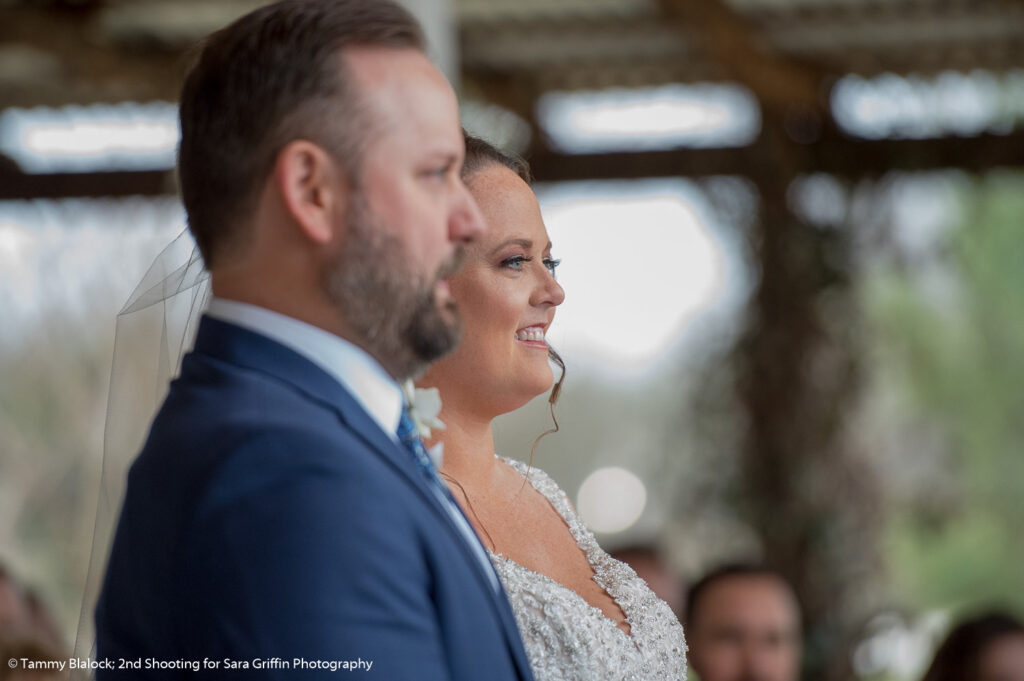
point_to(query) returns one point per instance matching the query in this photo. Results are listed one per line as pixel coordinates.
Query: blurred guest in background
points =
(743, 624)
(12, 607)
(650, 564)
(27, 631)
(988, 647)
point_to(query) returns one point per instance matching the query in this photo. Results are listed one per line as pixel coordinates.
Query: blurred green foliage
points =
(51, 432)
(949, 335)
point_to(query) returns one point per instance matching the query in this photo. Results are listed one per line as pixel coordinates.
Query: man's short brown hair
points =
(273, 76)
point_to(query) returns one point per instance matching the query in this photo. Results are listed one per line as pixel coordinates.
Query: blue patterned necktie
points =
(410, 437)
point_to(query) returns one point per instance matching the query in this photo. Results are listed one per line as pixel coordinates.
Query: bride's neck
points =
(468, 447)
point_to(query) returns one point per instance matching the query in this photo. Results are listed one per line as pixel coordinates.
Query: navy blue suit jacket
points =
(268, 516)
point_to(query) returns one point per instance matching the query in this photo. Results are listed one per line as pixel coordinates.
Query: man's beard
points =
(394, 314)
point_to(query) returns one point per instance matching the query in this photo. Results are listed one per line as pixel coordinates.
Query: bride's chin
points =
(498, 393)
(530, 390)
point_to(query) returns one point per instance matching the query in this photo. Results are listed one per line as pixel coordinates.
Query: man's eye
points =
(438, 173)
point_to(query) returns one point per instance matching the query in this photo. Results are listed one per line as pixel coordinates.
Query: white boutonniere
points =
(424, 407)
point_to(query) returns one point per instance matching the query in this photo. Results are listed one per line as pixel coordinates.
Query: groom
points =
(282, 518)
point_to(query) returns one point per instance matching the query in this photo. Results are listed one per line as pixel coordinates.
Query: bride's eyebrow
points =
(525, 243)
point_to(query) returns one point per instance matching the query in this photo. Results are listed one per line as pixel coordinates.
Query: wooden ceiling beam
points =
(782, 84)
(517, 92)
(837, 155)
(15, 185)
(55, 58)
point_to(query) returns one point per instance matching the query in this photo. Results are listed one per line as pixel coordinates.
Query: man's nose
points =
(467, 222)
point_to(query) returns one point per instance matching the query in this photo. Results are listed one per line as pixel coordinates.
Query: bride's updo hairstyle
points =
(481, 155)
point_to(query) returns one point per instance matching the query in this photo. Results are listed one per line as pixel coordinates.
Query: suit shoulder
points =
(226, 435)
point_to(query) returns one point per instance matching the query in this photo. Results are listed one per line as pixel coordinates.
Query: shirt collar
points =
(352, 366)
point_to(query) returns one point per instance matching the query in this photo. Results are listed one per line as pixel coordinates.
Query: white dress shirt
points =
(358, 372)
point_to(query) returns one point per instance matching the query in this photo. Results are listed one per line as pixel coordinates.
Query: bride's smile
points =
(533, 336)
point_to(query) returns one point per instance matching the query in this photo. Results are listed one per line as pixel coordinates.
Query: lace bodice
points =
(568, 639)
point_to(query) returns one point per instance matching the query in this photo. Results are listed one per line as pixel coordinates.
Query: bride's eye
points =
(551, 264)
(515, 262)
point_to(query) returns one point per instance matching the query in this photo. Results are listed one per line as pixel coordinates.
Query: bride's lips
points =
(532, 336)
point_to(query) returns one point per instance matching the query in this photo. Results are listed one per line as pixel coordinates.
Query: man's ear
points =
(312, 188)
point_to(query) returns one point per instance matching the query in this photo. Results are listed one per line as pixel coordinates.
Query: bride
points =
(582, 614)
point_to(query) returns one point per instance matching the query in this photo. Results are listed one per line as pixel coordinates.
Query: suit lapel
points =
(375, 438)
(256, 352)
(231, 343)
(360, 423)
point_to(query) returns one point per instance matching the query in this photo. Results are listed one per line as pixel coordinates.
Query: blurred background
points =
(792, 235)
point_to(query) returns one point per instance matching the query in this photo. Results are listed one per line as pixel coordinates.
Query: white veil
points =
(155, 328)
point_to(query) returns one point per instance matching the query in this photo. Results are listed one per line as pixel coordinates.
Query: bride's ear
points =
(313, 189)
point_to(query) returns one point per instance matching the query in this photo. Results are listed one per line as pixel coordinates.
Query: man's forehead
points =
(751, 582)
(374, 59)
(741, 594)
(405, 95)
(379, 68)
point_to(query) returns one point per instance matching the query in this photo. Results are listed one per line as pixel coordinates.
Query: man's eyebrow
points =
(448, 157)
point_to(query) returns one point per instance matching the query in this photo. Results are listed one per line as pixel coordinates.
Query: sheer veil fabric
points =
(155, 328)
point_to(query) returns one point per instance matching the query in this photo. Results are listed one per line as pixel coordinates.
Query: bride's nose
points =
(548, 291)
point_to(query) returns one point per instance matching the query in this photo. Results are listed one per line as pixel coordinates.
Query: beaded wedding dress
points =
(566, 638)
